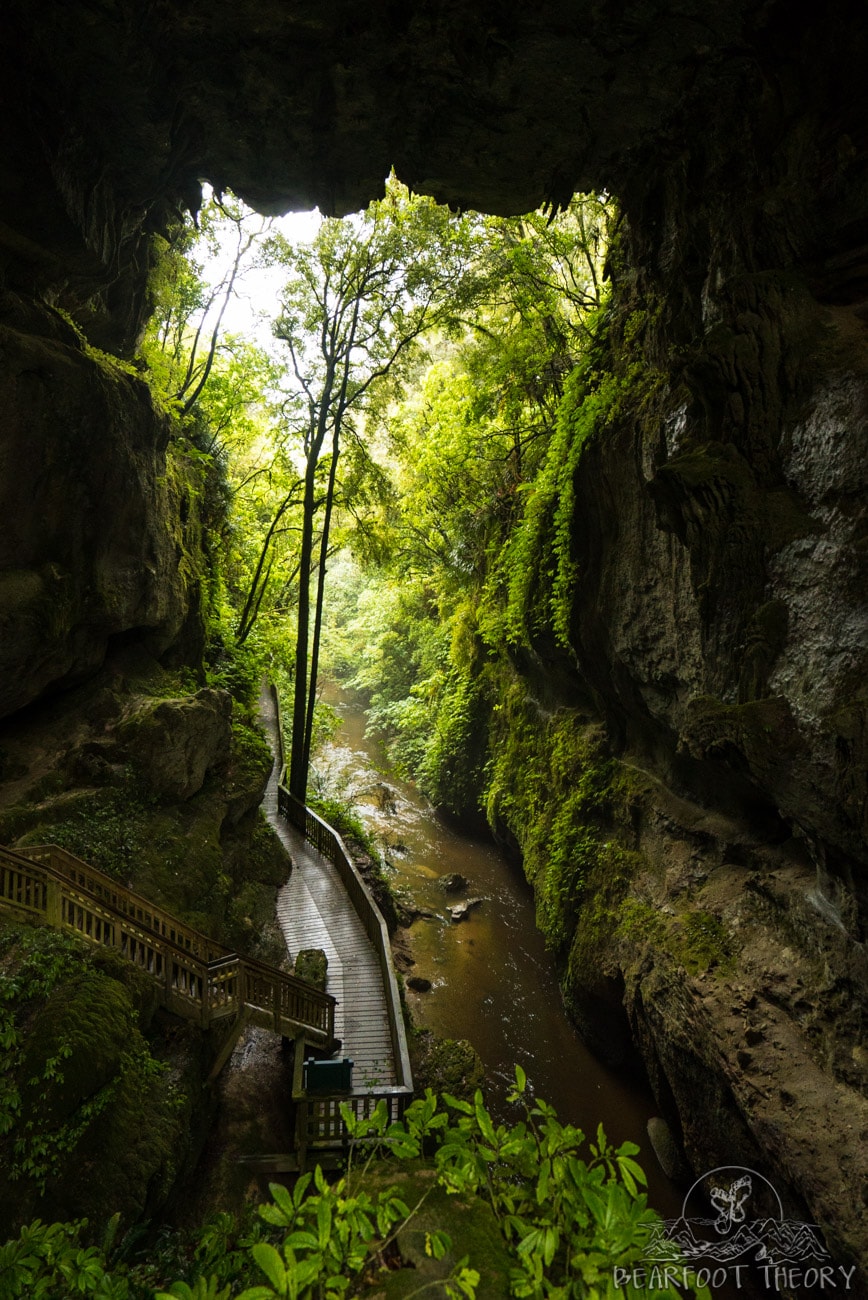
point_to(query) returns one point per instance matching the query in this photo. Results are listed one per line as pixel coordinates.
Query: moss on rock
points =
(312, 964)
(446, 1064)
(159, 790)
(98, 1126)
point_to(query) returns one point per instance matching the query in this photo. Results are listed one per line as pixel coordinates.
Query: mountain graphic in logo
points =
(749, 1224)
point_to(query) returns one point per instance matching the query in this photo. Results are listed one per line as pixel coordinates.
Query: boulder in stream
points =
(461, 911)
(666, 1147)
(408, 913)
(453, 883)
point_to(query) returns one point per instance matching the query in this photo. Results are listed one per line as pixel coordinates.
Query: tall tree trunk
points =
(320, 593)
(297, 765)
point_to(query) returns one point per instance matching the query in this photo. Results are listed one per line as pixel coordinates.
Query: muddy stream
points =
(492, 980)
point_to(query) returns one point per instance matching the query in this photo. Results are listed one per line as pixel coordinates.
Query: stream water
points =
(492, 980)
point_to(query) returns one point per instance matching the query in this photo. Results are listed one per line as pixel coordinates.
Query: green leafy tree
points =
(480, 457)
(356, 301)
(186, 329)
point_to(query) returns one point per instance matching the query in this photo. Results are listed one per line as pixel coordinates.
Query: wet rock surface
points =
(253, 1117)
(745, 986)
(87, 551)
(462, 910)
(665, 1147)
(453, 883)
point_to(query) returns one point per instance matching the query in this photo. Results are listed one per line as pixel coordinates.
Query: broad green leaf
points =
(272, 1265)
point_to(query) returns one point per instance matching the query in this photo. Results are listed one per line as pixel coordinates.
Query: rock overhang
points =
(499, 107)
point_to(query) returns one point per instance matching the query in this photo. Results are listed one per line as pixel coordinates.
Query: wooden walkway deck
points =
(314, 911)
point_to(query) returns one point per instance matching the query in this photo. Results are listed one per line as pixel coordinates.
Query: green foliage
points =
(706, 942)
(250, 759)
(356, 302)
(34, 961)
(532, 583)
(477, 538)
(343, 818)
(80, 1086)
(185, 329)
(551, 783)
(48, 1261)
(567, 1214)
(107, 827)
(598, 917)
(567, 1222)
(451, 770)
(362, 848)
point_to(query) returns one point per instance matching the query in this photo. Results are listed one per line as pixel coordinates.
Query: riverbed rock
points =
(462, 910)
(665, 1147)
(385, 797)
(453, 883)
(446, 1064)
(419, 984)
(409, 913)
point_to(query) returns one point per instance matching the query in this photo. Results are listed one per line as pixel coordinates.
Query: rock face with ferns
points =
(717, 637)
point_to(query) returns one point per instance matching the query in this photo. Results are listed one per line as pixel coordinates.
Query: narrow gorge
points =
(678, 750)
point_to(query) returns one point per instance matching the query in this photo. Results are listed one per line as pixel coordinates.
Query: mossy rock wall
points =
(94, 547)
(187, 833)
(674, 734)
(98, 1101)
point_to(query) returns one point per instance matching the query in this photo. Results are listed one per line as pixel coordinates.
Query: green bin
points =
(328, 1076)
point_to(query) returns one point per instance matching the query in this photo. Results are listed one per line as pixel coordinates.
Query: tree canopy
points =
(421, 409)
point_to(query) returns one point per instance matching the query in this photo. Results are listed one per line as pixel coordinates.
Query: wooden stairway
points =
(198, 978)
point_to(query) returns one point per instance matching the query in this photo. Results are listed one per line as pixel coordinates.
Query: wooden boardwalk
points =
(315, 911)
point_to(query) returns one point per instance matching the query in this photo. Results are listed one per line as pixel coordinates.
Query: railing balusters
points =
(200, 979)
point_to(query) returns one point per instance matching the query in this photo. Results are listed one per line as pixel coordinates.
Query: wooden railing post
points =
(205, 1012)
(54, 901)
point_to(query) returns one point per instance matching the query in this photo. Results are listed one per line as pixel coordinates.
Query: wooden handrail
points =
(121, 899)
(319, 1124)
(199, 978)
